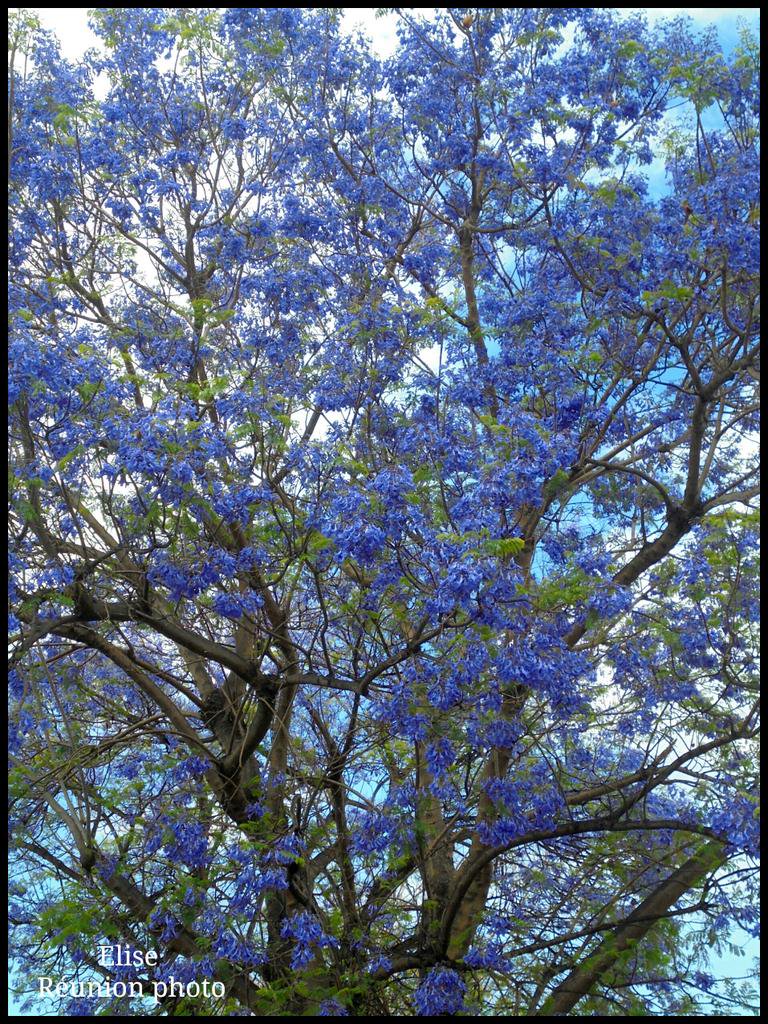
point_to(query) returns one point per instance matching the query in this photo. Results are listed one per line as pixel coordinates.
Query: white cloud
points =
(70, 25)
(381, 31)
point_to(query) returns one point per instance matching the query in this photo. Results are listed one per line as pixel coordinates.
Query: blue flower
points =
(441, 992)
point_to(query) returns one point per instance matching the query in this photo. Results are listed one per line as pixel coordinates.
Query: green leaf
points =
(505, 546)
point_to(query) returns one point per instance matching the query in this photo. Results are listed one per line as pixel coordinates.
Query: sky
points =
(70, 25)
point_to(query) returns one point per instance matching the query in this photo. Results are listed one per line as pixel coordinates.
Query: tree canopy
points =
(383, 483)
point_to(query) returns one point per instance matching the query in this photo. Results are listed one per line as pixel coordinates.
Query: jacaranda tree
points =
(383, 536)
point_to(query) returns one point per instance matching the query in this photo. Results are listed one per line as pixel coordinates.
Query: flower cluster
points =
(440, 992)
(308, 935)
